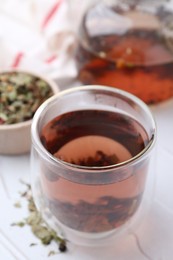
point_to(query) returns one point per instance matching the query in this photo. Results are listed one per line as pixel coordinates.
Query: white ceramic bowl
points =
(16, 138)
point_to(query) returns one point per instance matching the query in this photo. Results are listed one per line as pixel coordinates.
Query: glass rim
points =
(48, 156)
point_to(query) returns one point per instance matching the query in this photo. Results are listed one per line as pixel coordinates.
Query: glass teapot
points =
(128, 44)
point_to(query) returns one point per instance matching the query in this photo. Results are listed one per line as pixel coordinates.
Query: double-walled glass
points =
(88, 203)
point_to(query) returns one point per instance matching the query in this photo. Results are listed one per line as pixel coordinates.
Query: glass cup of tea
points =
(91, 151)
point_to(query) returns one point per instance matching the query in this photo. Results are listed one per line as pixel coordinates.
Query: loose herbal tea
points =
(20, 96)
(93, 138)
(38, 226)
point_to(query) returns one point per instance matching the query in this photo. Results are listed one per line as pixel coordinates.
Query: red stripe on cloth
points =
(17, 60)
(51, 13)
(51, 58)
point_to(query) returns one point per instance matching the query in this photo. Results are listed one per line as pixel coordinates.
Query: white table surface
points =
(152, 239)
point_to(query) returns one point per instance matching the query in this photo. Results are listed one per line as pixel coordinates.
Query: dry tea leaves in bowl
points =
(20, 95)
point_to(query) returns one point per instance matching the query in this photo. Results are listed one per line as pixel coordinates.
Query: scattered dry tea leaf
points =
(33, 244)
(51, 253)
(33, 219)
(43, 233)
(17, 204)
(19, 224)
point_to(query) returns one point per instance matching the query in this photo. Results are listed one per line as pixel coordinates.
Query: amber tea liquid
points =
(127, 49)
(94, 138)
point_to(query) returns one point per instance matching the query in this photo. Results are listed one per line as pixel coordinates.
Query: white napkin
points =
(38, 35)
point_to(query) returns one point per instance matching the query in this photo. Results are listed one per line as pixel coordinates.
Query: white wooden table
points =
(153, 238)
